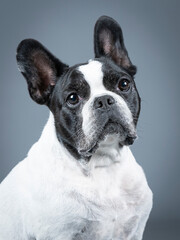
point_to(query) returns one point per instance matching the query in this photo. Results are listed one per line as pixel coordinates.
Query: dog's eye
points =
(73, 99)
(124, 84)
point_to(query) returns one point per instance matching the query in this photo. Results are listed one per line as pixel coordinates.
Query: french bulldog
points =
(80, 180)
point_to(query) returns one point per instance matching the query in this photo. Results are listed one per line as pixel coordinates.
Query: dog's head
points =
(89, 101)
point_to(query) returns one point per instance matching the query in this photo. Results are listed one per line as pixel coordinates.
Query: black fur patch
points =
(68, 119)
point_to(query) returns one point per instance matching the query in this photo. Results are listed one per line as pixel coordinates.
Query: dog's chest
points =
(103, 206)
(107, 211)
(114, 219)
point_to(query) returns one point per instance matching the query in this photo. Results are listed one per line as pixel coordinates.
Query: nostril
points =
(100, 104)
(110, 101)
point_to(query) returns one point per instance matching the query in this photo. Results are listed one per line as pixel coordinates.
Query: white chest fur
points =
(50, 195)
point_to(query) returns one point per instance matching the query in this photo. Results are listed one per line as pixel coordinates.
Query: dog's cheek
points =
(135, 105)
(87, 118)
(123, 108)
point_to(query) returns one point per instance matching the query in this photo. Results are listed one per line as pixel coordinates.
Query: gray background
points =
(152, 37)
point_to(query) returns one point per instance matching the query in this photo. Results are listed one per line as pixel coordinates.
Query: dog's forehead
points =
(93, 75)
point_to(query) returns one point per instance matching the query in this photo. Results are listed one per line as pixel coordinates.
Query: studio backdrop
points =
(152, 36)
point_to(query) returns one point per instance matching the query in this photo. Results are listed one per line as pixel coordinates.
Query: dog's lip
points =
(89, 152)
(129, 139)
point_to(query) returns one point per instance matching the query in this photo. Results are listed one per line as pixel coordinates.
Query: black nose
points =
(103, 102)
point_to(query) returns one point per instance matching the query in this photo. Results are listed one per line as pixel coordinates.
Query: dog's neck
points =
(109, 152)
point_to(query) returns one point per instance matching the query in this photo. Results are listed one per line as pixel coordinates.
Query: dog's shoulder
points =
(13, 178)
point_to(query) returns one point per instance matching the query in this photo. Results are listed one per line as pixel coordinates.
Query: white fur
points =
(48, 195)
(94, 76)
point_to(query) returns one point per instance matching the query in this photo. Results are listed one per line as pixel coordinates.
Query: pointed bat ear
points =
(40, 68)
(108, 41)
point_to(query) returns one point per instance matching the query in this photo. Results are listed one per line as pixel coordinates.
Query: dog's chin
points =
(110, 131)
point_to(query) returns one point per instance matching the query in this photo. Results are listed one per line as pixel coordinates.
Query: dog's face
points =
(89, 101)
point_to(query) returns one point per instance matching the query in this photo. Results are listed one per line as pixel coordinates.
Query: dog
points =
(80, 180)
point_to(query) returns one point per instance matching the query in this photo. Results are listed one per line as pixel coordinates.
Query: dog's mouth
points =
(124, 136)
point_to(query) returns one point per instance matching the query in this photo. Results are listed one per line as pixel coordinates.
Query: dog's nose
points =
(104, 102)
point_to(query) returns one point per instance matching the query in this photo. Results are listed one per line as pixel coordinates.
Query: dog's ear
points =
(40, 68)
(108, 41)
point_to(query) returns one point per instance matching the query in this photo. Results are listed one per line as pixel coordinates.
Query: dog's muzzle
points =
(108, 121)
